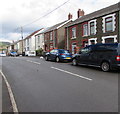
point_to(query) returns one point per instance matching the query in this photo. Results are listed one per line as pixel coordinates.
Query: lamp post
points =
(22, 38)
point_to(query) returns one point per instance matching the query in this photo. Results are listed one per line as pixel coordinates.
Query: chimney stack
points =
(80, 13)
(70, 16)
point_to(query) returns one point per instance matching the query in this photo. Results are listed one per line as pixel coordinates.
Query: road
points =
(44, 86)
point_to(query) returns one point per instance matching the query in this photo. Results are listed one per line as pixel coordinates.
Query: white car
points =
(2, 54)
(30, 53)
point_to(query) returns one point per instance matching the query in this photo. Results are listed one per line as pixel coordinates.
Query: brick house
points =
(54, 37)
(101, 26)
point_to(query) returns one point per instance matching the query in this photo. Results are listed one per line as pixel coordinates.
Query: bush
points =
(39, 52)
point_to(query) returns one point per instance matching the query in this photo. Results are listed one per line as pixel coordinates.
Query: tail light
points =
(62, 54)
(118, 58)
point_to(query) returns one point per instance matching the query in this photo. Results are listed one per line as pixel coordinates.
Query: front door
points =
(84, 56)
(74, 48)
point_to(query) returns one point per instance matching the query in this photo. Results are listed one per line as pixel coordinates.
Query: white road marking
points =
(34, 62)
(72, 73)
(14, 105)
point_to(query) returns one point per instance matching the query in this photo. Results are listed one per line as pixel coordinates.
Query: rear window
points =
(63, 51)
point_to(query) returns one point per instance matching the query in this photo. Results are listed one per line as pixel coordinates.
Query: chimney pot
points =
(69, 16)
(80, 13)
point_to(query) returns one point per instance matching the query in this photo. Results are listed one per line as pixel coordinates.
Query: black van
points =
(106, 56)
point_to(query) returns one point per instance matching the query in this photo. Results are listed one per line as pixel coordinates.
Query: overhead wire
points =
(43, 15)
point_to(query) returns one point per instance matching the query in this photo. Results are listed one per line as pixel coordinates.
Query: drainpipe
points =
(22, 38)
(67, 40)
(119, 24)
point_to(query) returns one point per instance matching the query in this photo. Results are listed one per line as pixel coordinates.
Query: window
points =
(51, 45)
(109, 39)
(85, 29)
(64, 51)
(52, 51)
(84, 43)
(92, 28)
(92, 41)
(27, 48)
(56, 51)
(51, 35)
(38, 39)
(74, 32)
(85, 50)
(108, 23)
(107, 47)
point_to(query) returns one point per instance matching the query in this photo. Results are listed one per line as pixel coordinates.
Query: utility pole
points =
(22, 38)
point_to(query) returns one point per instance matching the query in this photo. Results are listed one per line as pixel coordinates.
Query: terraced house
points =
(101, 26)
(54, 36)
(29, 44)
(16, 47)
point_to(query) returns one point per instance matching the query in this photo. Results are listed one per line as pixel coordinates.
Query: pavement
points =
(44, 86)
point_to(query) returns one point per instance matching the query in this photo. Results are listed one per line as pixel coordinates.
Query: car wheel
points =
(57, 59)
(46, 58)
(74, 62)
(105, 66)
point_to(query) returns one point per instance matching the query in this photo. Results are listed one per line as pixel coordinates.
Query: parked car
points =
(106, 56)
(30, 53)
(2, 54)
(13, 54)
(58, 55)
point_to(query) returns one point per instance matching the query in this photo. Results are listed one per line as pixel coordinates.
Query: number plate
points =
(68, 58)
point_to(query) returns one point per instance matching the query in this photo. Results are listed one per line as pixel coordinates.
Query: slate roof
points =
(32, 34)
(99, 13)
(55, 26)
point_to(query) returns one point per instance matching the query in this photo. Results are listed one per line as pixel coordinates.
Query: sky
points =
(32, 15)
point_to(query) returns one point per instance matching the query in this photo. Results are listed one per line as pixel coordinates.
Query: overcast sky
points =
(17, 13)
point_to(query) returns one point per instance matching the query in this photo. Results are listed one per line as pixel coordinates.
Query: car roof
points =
(104, 44)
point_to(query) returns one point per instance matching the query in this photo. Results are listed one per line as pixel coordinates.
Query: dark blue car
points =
(58, 55)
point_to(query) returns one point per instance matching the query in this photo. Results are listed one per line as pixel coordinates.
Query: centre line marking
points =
(33, 62)
(71, 73)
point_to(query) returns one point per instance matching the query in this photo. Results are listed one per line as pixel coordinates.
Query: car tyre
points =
(57, 59)
(46, 58)
(105, 66)
(74, 62)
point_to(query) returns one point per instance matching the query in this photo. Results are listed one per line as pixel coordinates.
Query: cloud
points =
(17, 13)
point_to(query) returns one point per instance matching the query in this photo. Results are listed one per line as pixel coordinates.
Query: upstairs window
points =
(92, 28)
(85, 29)
(109, 23)
(74, 32)
(51, 35)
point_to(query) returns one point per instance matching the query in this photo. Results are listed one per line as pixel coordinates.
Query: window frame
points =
(113, 22)
(51, 36)
(106, 22)
(85, 29)
(95, 27)
(105, 37)
(73, 32)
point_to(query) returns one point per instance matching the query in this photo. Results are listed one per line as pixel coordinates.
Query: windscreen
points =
(119, 48)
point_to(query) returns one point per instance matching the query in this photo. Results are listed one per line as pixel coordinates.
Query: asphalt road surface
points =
(44, 86)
